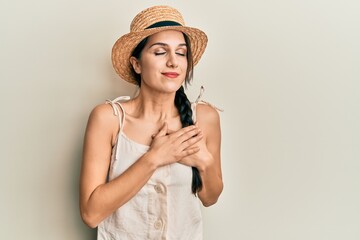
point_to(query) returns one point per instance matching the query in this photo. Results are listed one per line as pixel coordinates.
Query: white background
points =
(285, 72)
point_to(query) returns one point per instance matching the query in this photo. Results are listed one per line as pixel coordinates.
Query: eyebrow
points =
(164, 44)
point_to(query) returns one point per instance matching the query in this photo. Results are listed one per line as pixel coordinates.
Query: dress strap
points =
(202, 89)
(200, 101)
(117, 108)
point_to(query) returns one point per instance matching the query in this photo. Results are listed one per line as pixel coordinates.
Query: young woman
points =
(149, 159)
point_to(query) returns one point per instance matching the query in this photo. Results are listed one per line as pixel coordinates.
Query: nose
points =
(172, 61)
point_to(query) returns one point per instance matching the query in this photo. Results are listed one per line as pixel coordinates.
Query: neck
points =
(155, 106)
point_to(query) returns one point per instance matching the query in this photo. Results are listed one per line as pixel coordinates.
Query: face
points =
(163, 62)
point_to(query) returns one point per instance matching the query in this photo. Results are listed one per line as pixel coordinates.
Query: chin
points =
(171, 87)
(165, 86)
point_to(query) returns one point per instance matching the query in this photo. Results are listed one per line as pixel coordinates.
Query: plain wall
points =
(285, 72)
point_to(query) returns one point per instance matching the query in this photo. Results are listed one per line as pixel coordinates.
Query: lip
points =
(171, 74)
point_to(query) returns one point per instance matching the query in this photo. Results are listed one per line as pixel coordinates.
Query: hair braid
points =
(183, 105)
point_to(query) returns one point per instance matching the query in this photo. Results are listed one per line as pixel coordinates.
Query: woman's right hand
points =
(169, 147)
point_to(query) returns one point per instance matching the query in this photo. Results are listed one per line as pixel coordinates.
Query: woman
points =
(145, 163)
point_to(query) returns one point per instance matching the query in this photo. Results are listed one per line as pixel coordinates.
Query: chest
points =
(142, 131)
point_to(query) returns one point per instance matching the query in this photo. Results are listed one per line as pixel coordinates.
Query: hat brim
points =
(125, 45)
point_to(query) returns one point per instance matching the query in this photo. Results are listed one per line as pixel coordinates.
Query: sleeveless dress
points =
(164, 208)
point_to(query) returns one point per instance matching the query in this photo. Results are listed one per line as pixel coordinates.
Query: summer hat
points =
(150, 21)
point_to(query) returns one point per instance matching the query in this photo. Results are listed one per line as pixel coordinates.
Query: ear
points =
(136, 65)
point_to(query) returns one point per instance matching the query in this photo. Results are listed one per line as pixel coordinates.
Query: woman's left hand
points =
(200, 159)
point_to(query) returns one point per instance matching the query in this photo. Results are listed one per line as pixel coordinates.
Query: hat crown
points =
(154, 15)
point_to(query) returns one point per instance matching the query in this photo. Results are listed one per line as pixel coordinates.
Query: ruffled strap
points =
(200, 101)
(117, 108)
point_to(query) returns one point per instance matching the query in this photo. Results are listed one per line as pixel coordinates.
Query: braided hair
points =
(183, 105)
(181, 101)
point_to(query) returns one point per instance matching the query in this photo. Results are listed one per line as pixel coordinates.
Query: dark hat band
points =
(163, 24)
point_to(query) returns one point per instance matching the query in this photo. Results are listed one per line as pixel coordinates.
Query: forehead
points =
(169, 37)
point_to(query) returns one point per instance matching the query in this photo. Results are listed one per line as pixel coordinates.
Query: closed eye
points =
(159, 53)
(181, 54)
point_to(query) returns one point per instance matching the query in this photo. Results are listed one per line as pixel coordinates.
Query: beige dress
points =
(164, 208)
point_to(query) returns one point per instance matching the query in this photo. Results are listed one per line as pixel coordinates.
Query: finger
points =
(182, 131)
(169, 131)
(189, 151)
(162, 131)
(191, 141)
(189, 135)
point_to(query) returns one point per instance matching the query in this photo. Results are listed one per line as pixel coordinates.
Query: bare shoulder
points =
(103, 113)
(208, 119)
(102, 118)
(207, 115)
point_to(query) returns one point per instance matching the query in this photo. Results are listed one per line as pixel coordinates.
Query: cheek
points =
(150, 62)
(150, 70)
(185, 66)
(184, 62)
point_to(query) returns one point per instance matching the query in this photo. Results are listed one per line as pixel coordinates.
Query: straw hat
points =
(150, 21)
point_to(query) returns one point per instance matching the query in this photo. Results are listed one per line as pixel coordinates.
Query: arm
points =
(208, 120)
(98, 198)
(207, 160)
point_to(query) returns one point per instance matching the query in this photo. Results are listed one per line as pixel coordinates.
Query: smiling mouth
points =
(171, 74)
